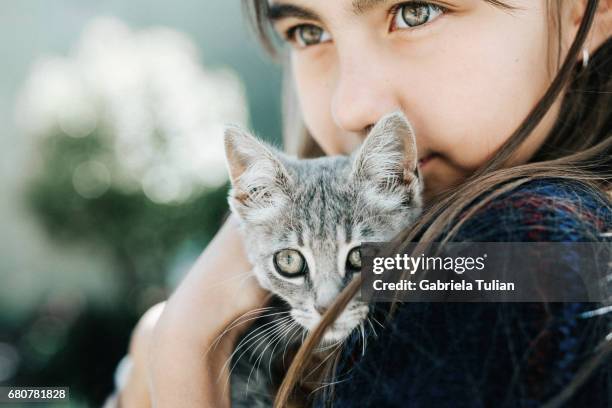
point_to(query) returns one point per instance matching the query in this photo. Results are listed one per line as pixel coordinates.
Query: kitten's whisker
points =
(363, 336)
(238, 322)
(297, 331)
(257, 344)
(289, 329)
(257, 311)
(376, 321)
(223, 281)
(277, 334)
(372, 327)
(243, 281)
(249, 338)
(325, 347)
(274, 338)
(262, 316)
(331, 353)
(255, 334)
(327, 384)
(324, 384)
(266, 340)
(259, 331)
(250, 312)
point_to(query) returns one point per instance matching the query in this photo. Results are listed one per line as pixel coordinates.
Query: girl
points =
(510, 101)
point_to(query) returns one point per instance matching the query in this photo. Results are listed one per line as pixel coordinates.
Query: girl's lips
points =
(424, 160)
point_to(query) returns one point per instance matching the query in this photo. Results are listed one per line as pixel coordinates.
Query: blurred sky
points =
(31, 264)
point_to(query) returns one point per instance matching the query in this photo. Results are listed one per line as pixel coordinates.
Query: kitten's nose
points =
(325, 295)
(321, 309)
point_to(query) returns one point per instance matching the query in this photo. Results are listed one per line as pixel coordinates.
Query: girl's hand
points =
(181, 348)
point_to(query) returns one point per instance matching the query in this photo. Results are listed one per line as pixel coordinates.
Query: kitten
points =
(303, 222)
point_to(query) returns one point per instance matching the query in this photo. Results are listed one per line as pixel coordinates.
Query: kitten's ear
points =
(388, 156)
(260, 182)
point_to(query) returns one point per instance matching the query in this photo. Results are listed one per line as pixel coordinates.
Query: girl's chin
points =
(439, 176)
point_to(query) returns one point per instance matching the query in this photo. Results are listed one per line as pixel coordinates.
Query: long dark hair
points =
(579, 148)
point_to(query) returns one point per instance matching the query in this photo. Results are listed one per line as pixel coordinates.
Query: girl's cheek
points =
(472, 94)
(313, 79)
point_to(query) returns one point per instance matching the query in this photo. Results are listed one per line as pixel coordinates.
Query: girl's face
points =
(465, 72)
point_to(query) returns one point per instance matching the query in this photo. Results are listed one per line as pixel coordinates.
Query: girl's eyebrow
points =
(362, 6)
(279, 11)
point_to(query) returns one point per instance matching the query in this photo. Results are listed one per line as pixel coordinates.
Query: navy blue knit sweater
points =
(491, 354)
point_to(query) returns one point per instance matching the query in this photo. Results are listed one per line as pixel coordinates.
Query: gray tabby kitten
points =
(303, 222)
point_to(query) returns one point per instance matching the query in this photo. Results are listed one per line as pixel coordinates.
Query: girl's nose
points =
(363, 93)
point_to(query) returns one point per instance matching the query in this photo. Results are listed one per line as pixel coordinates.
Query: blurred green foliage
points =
(142, 237)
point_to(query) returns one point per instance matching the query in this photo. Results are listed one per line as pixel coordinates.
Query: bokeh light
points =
(160, 111)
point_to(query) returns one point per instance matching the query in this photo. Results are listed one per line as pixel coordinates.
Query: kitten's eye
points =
(289, 263)
(305, 35)
(415, 14)
(353, 260)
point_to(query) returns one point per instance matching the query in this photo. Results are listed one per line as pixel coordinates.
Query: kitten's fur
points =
(322, 208)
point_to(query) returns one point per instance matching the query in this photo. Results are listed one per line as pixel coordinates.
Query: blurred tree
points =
(130, 161)
(141, 235)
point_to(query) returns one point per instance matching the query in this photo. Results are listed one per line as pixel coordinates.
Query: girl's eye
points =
(289, 263)
(306, 35)
(415, 14)
(353, 260)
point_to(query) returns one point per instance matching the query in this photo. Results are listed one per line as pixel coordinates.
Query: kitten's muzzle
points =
(321, 309)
